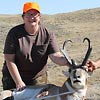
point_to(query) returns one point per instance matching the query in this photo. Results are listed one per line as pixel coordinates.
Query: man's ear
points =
(40, 15)
(23, 15)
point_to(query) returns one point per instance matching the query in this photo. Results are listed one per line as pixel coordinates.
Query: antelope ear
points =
(66, 73)
(90, 73)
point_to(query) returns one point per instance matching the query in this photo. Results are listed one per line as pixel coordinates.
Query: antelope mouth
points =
(77, 81)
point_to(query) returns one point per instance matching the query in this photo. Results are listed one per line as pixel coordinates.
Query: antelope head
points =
(78, 73)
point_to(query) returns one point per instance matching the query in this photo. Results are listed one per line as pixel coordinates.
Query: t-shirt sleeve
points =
(10, 44)
(53, 47)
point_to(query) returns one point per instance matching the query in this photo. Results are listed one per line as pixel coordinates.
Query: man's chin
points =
(34, 24)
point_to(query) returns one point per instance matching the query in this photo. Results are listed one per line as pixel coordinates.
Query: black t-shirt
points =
(31, 52)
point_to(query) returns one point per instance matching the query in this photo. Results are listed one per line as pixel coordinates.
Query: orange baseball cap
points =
(31, 5)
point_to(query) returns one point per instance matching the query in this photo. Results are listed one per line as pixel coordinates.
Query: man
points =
(26, 51)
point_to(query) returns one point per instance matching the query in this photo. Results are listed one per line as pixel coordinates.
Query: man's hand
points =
(20, 86)
(91, 66)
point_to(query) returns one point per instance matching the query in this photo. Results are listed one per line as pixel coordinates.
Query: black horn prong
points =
(65, 43)
(87, 53)
(88, 41)
(65, 53)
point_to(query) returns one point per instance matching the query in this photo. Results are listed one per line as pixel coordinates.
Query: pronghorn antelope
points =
(74, 88)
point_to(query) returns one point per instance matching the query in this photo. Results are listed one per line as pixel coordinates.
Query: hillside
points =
(74, 26)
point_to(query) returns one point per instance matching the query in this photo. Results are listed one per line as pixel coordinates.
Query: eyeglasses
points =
(29, 15)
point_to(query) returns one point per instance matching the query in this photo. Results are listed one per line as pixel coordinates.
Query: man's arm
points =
(14, 70)
(58, 58)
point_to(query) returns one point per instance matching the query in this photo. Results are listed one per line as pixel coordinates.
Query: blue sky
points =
(48, 6)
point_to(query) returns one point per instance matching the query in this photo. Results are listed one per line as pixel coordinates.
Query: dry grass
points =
(74, 26)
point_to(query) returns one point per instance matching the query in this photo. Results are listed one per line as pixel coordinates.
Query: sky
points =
(48, 6)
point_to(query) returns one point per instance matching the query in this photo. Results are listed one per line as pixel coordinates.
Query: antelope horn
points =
(65, 53)
(87, 53)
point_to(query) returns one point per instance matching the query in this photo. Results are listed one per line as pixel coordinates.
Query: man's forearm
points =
(14, 72)
(59, 59)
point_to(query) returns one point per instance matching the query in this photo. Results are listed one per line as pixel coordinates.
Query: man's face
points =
(31, 17)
